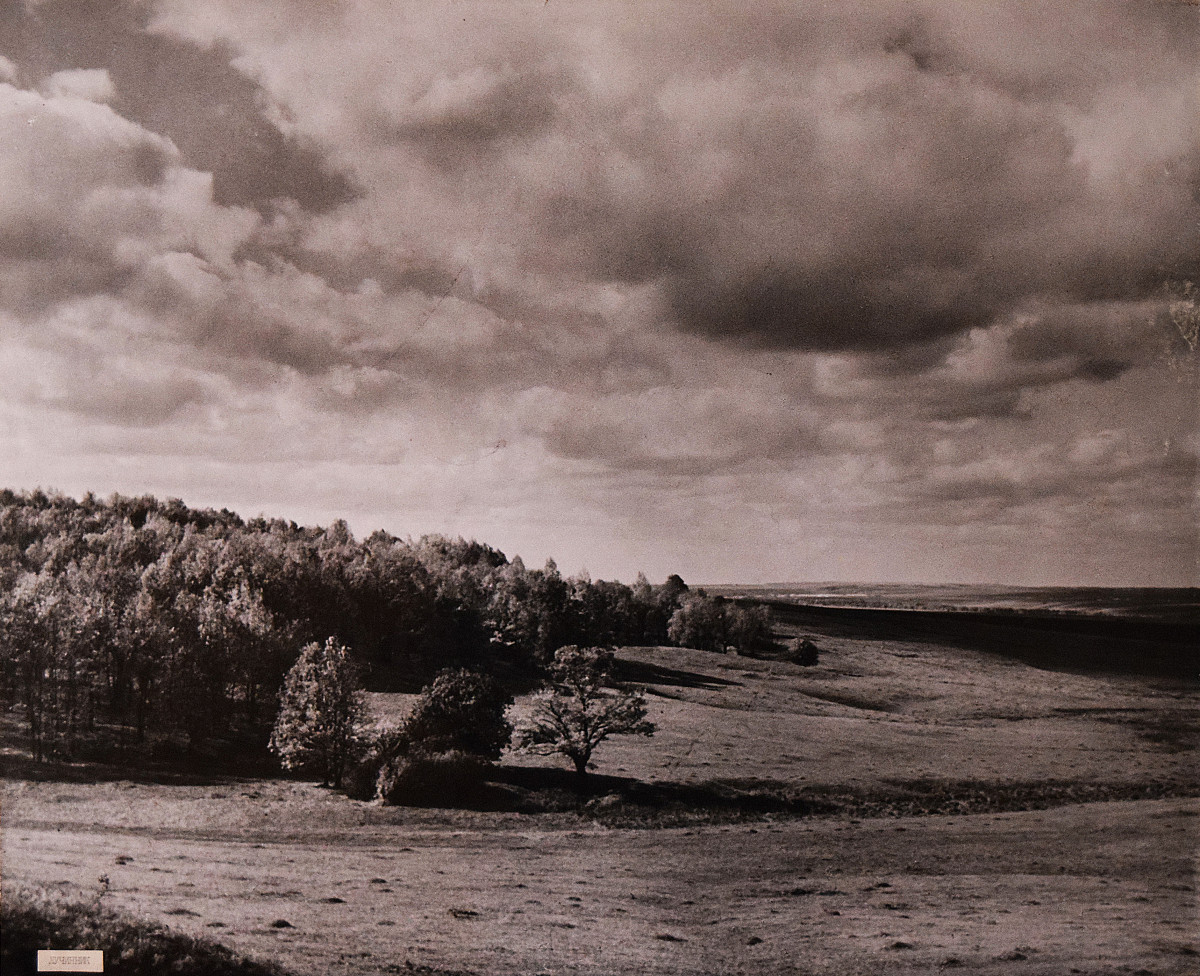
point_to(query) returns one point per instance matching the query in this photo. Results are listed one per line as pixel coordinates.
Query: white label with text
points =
(70, 961)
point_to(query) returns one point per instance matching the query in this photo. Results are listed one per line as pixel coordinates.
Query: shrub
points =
(456, 729)
(361, 780)
(432, 779)
(460, 711)
(803, 652)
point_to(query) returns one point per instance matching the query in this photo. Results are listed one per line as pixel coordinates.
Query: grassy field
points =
(1007, 872)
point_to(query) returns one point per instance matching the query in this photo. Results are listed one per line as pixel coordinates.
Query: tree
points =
(699, 622)
(460, 711)
(714, 623)
(321, 712)
(748, 627)
(576, 714)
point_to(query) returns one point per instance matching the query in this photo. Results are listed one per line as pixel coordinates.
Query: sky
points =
(825, 291)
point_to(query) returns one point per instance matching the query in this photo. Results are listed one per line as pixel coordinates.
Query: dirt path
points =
(1102, 888)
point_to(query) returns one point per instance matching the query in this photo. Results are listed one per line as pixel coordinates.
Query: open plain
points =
(950, 809)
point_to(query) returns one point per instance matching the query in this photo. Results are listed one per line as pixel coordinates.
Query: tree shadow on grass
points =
(640, 672)
(623, 802)
(182, 770)
(614, 800)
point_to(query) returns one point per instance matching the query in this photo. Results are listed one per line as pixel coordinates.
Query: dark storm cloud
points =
(191, 94)
(890, 182)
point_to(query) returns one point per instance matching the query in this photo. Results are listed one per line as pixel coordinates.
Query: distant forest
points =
(134, 628)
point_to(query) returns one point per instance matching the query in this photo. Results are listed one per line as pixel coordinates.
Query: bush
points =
(460, 711)
(803, 652)
(456, 729)
(432, 779)
(361, 781)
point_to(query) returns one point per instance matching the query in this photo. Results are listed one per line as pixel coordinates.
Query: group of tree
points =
(458, 725)
(146, 624)
(709, 624)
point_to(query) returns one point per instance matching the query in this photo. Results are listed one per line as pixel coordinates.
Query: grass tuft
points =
(35, 920)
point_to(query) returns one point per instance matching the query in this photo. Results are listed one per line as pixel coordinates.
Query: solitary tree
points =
(577, 713)
(321, 710)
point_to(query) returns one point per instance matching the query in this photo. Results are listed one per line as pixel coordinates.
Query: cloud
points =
(852, 178)
(988, 370)
(478, 111)
(90, 84)
(740, 282)
(875, 201)
(188, 93)
(92, 196)
(1108, 477)
(115, 391)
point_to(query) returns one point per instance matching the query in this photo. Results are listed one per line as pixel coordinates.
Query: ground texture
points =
(288, 872)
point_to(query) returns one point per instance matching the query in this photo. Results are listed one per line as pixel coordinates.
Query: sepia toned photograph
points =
(600, 487)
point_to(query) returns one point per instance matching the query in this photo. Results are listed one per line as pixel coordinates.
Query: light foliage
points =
(577, 713)
(134, 628)
(321, 711)
(714, 624)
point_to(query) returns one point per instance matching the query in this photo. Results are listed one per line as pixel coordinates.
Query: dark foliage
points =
(451, 779)
(803, 652)
(456, 729)
(461, 711)
(130, 947)
(132, 625)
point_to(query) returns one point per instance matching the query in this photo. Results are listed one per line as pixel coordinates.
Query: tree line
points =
(133, 626)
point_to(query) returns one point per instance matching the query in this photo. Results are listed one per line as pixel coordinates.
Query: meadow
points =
(903, 806)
